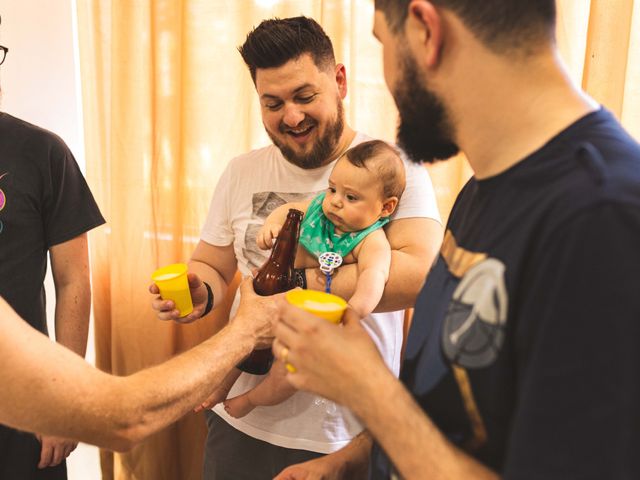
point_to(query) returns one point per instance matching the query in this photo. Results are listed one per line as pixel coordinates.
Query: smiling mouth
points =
(300, 132)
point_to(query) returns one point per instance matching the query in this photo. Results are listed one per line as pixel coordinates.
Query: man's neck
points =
(513, 110)
(348, 134)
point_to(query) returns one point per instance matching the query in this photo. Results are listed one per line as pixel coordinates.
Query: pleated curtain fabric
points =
(168, 102)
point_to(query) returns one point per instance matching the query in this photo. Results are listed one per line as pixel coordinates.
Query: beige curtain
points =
(167, 102)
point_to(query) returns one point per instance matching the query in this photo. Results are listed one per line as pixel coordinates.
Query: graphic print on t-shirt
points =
(3, 201)
(473, 330)
(263, 203)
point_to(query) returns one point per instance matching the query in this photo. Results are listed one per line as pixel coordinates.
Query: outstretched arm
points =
(86, 404)
(414, 246)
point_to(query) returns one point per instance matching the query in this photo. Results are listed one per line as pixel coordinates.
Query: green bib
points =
(317, 233)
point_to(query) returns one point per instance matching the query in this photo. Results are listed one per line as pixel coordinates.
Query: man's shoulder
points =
(603, 166)
(257, 158)
(31, 138)
(22, 128)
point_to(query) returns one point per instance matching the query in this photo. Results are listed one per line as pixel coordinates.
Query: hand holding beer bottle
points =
(275, 276)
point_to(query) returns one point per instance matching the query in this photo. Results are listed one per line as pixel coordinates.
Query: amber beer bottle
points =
(275, 276)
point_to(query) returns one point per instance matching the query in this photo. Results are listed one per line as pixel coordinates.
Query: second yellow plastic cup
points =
(173, 284)
(324, 305)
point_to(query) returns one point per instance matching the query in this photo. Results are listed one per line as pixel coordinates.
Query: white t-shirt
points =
(251, 187)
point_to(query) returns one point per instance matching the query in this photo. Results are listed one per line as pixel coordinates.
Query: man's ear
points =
(425, 24)
(389, 206)
(341, 80)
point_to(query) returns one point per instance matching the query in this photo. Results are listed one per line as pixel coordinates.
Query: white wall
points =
(39, 83)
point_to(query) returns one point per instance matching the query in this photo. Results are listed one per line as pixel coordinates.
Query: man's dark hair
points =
(276, 41)
(382, 159)
(502, 25)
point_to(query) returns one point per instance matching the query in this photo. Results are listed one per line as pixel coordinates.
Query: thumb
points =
(350, 318)
(246, 287)
(194, 280)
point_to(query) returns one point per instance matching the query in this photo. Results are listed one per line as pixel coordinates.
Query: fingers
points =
(192, 317)
(70, 447)
(58, 454)
(274, 231)
(293, 473)
(165, 309)
(194, 280)
(46, 455)
(54, 451)
(266, 236)
(262, 239)
(351, 317)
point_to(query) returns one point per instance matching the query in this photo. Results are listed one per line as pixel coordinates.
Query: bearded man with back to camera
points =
(522, 358)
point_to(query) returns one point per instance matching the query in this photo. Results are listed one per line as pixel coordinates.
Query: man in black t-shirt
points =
(522, 360)
(45, 208)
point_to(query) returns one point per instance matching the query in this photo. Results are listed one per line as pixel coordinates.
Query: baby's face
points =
(354, 199)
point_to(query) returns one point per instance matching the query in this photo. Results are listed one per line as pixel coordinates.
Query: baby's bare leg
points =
(274, 389)
(220, 393)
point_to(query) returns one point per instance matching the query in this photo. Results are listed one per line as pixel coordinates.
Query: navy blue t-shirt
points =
(525, 344)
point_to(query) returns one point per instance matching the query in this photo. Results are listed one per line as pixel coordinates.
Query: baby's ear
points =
(389, 206)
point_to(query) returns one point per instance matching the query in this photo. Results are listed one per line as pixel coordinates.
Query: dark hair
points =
(504, 26)
(276, 41)
(384, 160)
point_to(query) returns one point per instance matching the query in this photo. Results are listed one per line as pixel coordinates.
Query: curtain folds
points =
(167, 102)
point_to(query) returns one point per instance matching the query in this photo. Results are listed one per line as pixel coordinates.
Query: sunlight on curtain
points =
(168, 102)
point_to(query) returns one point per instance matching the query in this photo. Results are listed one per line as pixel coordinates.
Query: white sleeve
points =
(418, 199)
(217, 229)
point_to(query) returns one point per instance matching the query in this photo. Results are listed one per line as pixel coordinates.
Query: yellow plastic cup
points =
(173, 284)
(324, 305)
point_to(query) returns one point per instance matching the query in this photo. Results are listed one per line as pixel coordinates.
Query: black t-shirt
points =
(44, 201)
(525, 344)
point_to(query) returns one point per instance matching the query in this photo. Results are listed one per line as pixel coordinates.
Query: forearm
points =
(164, 393)
(353, 460)
(406, 277)
(410, 439)
(73, 306)
(91, 406)
(219, 284)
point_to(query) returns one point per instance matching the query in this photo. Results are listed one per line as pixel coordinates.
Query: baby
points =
(365, 186)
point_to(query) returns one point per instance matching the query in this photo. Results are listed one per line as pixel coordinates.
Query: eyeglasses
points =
(3, 54)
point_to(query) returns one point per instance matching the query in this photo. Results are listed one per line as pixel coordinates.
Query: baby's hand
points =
(267, 233)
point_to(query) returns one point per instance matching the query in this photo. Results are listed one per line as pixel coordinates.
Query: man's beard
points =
(425, 132)
(322, 148)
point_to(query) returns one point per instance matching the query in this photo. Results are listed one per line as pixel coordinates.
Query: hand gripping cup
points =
(173, 284)
(321, 304)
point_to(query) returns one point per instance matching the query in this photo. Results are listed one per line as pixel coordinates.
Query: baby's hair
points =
(382, 159)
